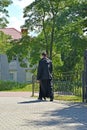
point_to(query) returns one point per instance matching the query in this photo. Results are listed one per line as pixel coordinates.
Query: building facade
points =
(13, 71)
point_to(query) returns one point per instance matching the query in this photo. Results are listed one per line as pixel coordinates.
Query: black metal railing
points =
(65, 83)
(69, 83)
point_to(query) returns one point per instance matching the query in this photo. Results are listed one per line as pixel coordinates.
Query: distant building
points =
(15, 34)
(13, 71)
(4, 68)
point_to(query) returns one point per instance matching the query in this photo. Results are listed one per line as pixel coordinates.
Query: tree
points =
(60, 24)
(20, 49)
(71, 23)
(4, 12)
(4, 43)
(44, 16)
(4, 39)
(41, 15)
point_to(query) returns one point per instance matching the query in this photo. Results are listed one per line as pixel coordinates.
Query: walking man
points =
(44, 76)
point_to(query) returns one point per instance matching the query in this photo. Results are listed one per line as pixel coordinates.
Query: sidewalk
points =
(22, 112)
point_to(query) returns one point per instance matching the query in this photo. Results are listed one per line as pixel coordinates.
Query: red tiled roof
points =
(15, 34)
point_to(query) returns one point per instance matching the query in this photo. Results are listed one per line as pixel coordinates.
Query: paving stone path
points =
(19, 111)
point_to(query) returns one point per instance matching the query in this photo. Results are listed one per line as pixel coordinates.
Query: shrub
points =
(8, 85)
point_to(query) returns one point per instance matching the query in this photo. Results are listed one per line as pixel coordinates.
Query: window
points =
(13, 76)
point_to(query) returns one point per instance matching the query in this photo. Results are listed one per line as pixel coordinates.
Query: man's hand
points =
(38, 81)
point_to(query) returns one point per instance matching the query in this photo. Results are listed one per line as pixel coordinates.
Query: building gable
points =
(15, 34)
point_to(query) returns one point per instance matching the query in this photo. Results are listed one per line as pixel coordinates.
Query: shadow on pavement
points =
(72, 117)
(32, 101)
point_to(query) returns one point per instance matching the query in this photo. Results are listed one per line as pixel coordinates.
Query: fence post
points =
(33, 85)
(83, 86)
(85, 77)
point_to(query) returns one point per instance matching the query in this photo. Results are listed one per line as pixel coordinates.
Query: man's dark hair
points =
(44, 54)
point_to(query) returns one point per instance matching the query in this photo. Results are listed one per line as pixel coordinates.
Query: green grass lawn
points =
(71, 98)
(26, 88)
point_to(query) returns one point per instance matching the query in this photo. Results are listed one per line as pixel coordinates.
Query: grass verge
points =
(71, 98)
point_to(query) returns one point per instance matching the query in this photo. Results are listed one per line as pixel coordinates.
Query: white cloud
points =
(15, 23)
(22, 3)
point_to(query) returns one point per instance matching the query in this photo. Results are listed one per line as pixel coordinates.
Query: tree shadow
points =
(74, 117)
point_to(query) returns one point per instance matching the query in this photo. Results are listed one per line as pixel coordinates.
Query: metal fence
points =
(65, 83)
(68, 83)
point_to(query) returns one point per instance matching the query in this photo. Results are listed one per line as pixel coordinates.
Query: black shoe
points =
(40, 99)
(51, 100)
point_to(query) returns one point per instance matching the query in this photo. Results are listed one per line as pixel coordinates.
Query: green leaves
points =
(60, 25)
(4, 12)
(4, 43)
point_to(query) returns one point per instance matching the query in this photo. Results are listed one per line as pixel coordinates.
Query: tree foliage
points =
(71, 23)
(4, 43)
(4, 12)
(4, 39)
(60, 25)
(41, 15)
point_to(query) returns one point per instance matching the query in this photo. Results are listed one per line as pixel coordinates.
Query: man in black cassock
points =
(44, 76)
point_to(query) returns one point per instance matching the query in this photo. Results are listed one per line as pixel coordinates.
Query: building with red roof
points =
(15, 34)
(13, 71)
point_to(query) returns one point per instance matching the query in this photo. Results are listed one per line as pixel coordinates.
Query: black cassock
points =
(44, 75)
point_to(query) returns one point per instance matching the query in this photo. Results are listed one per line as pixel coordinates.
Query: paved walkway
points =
(19, 111)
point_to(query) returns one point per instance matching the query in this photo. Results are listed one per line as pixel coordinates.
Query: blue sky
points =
(16, 13)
